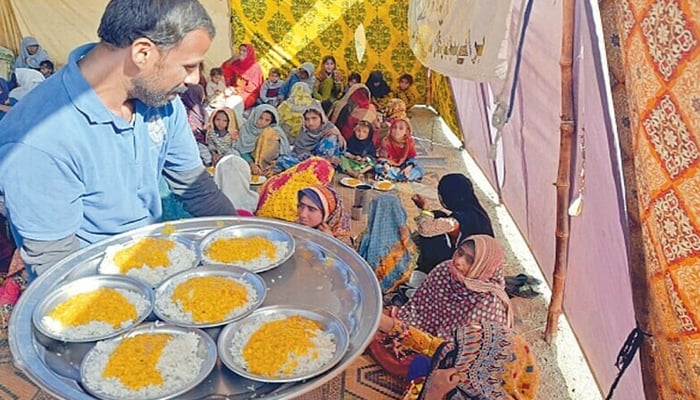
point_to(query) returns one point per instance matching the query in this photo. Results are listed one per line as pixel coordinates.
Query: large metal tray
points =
(323, 273)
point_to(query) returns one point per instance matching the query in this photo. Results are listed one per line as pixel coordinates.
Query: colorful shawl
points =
(278, 196)
(248, 69)
(354, 106)
(395, 108)
(386, 243)
(307, 139)
(447, 300)
(291, 110)
(250, 130)
(334, 214)
(395, 152)
(362, 148)
(496, 362)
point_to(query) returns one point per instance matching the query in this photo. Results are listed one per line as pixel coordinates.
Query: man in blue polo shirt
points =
(81, 155)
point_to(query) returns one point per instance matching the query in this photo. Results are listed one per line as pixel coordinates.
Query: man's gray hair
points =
(164, 22)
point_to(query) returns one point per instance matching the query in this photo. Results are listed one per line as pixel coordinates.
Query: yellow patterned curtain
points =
(654, 52)
(286, 33)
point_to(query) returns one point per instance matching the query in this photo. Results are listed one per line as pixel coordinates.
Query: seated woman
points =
(356, 105)
(467, 289)
(488, 361)
(438, 232)
(291, 110)
(278, 195)
(360, 154)
(31, 54)
(386, 243)
(319, 207)
(223, 132)
(262, 141)
(317, 137)
(244, 74)
(328, 86)
(396, 157)
(379, 89)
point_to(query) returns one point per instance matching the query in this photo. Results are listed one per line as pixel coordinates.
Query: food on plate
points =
(257, 179)
(95, 313)
(352, 181)
(151, 259)
(282, 346)
(206, 299)
(384, 185)
(144, 365)
(251, 253)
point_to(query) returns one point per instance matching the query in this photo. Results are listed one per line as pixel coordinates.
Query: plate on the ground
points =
(350, 182)
(208, 295)
(93, 301)
(147, 258)
(190, 357)
(330, 344)
(384, 186)
(252, 247)
(257, 179)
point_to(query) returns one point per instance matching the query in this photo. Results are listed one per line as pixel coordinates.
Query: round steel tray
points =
(323, 272)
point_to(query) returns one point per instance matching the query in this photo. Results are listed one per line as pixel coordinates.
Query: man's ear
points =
(144, 52)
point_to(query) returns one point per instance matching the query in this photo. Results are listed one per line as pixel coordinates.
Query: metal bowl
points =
(64, 292)
(206, 351)
(249, 231)
(104, 266)
(330, 324)
(164, 292)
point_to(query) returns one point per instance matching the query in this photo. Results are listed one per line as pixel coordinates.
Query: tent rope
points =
(626, 355)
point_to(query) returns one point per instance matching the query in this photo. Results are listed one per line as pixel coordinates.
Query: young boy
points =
(403, 91)
(46, 68)
(216, 84)
(271, 88)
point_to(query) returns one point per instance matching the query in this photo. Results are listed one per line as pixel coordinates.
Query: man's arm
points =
(198, 192)
(41, 255)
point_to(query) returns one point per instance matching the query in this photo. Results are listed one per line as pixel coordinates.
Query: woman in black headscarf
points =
(440, 231)
(379, 89)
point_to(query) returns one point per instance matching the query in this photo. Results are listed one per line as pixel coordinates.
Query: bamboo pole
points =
(567, 128)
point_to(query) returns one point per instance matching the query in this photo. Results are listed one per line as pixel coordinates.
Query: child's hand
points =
(419, 201)
(235, 135)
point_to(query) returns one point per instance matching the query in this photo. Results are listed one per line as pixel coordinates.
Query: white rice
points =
(96, 329)
(306, 364)
(178, 365)
(174, 311)
(181, 258)
(255, 264)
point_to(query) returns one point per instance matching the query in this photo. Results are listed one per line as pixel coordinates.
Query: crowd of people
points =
(133, 124)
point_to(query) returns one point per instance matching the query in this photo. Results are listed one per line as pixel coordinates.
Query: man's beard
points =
(151, 97)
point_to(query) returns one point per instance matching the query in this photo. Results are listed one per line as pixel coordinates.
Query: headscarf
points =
(278, 195)
(321, 74)
(4, 91)
(307, 139)
(457, 194)
(377, 91)
(233, 120)
(386, 243)
(193, 99)
(496, 361)
(447, 300)
(355, 105)
(248, 69)
(397, 152)
(309, 68)
(362, 148)
(232, 176)
(395, 108)
(27, 79)
(331, 205)
(26, 60)
(291, 109)
(250, 132)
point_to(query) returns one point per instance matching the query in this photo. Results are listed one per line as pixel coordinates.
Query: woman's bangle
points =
(427, 213)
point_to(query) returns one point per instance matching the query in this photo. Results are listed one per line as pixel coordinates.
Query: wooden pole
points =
(567, 128)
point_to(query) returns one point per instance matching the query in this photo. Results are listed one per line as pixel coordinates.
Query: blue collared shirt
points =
(70, 166)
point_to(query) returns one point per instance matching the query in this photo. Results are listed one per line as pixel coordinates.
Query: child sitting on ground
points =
(404, 92)
(216, 84)
(271, 89)
(397, 154)
(359, 156)
(222, 133)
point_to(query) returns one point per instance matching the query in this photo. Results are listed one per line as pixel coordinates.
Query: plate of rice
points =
(252, 247)
(151, 258)
(209, 296)
(153, 361)
(383, 186)
(283, 343)
(93, 308)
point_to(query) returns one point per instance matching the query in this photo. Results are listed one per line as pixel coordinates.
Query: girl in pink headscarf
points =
(244, 74)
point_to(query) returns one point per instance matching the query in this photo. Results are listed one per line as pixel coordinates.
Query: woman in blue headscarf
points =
(30, 54)
(386, 242)
(261, 140)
